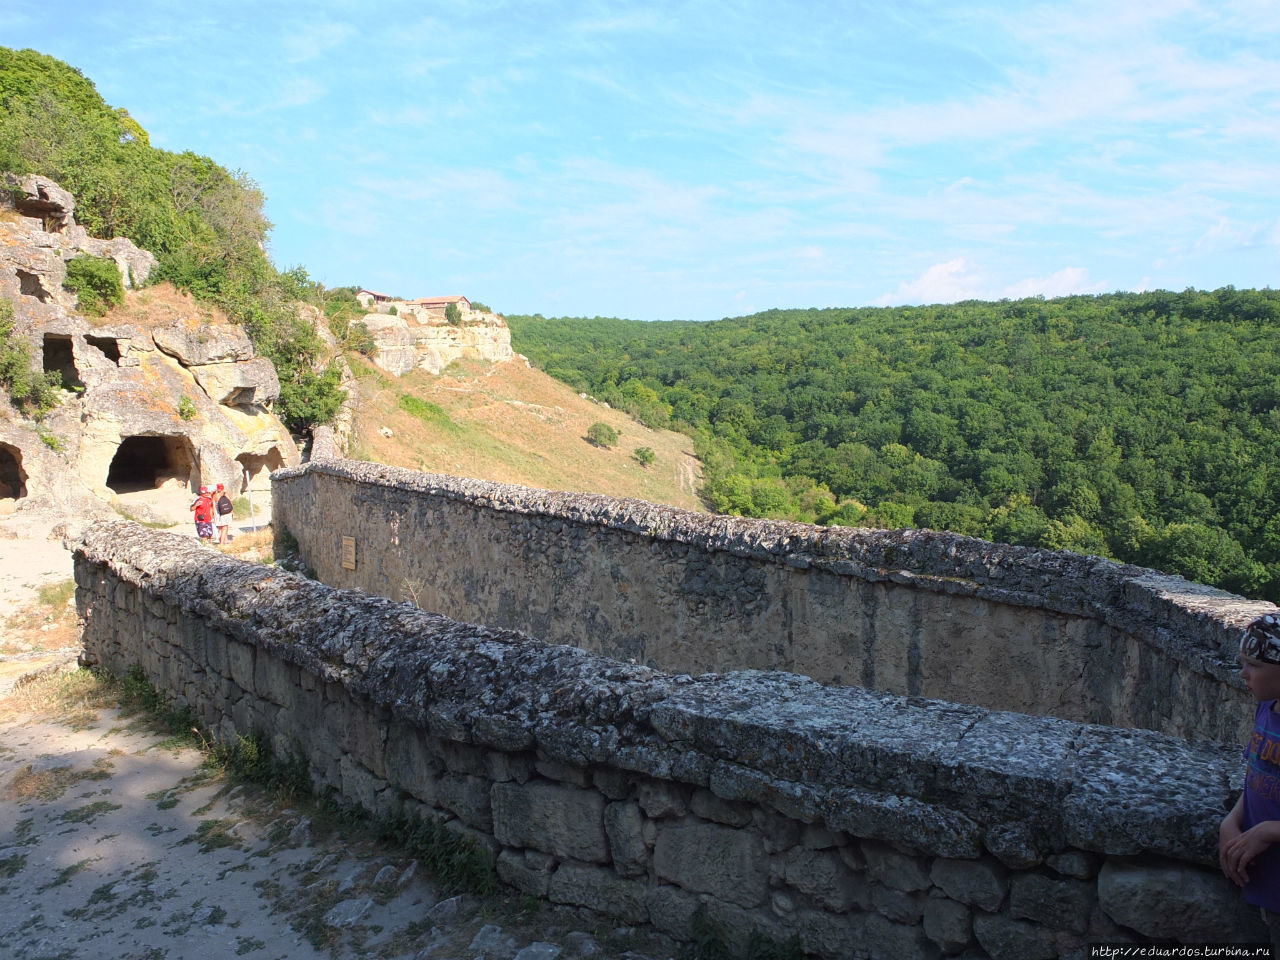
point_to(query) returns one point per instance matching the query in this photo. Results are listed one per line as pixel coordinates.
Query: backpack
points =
(224, 505)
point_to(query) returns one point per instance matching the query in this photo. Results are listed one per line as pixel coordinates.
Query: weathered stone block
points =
(897, 870)
(979, 883)
(358, 784)
(624, 826)
(1007, 939)
(727, 863)
(828, 936)
(1074, 863)
(659, 799)
(780, 832)
(671, 910)
(274, 679)
(564, 772)
(368, 739)
(567, 822)
(1015, 844)
(1063, 904)
(410, 765)
(501, 767)
(883, 939)
(600, 889)
(708, 806)
(240, 663)
(897, 905)
(1172, 902)
(468, 798)
(823, 875)
(948, 924)
(529, 872)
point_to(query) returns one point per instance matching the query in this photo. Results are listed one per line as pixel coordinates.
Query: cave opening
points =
(109, 346)
(60, 358)
(149, 462)
(13, 479)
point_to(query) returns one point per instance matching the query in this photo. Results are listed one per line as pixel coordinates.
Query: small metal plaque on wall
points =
(348, 553)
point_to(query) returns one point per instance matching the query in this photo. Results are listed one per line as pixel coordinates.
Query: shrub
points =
(602, 435)
(452, 314)
(360, 338)
(186, 408)
(35, 393)
(96, 282)
(645, 455)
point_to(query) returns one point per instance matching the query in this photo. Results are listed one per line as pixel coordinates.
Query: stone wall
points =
(866, 824)
(908, 612)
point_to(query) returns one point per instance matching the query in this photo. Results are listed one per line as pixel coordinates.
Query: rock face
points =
(178, 405)
(408, 340)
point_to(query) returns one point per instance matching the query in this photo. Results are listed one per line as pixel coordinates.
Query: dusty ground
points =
(119, 840)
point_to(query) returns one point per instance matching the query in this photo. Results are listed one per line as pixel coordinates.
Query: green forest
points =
(204, 223)
(1138, 426)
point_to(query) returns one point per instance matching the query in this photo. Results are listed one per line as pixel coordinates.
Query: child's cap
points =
(204, 489)
(221, 487)
(1261, 640)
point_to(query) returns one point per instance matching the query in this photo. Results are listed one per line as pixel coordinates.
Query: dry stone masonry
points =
(866, 823)
(915, 613)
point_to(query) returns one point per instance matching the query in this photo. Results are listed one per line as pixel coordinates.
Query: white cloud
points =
(959, 279)
(1065, 282)
(942, 283)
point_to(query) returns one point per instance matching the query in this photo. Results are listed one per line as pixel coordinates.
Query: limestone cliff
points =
(408, 340)
(177, 403)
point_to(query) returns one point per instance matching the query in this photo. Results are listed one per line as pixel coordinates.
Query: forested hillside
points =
(1137, 426)
(204, 223)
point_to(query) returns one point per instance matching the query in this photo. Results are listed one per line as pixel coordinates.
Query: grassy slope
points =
(514, 424)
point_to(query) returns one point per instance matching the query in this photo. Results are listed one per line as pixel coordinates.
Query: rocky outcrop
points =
(40, 236)
(410, 341)
(180, 404)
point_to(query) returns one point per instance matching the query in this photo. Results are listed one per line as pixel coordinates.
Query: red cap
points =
(221, 487)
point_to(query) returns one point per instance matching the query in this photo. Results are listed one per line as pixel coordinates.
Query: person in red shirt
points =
(203, 512)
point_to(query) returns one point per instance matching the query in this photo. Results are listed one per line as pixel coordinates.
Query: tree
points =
(602, 435)
(452, 314)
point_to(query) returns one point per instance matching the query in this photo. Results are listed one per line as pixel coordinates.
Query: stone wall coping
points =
(1197, 624)
(945, 778)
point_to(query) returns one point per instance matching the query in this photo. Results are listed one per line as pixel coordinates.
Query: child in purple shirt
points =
(1247, 840)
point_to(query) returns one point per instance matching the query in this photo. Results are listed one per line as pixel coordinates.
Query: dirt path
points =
(118, 841)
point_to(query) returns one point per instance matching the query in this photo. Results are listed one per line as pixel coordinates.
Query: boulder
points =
(193, 342)
(240, 383)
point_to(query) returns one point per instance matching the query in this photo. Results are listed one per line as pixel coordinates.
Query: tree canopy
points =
(1139, 426)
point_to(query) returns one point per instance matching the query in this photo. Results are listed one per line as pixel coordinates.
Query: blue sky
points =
(700, 160)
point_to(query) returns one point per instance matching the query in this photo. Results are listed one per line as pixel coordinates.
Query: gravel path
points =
(116, 842)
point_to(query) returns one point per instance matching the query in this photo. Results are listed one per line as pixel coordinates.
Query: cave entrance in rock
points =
(149, 462)
(13, 479)
(59, 358)
(257, 468)
(109, 346)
